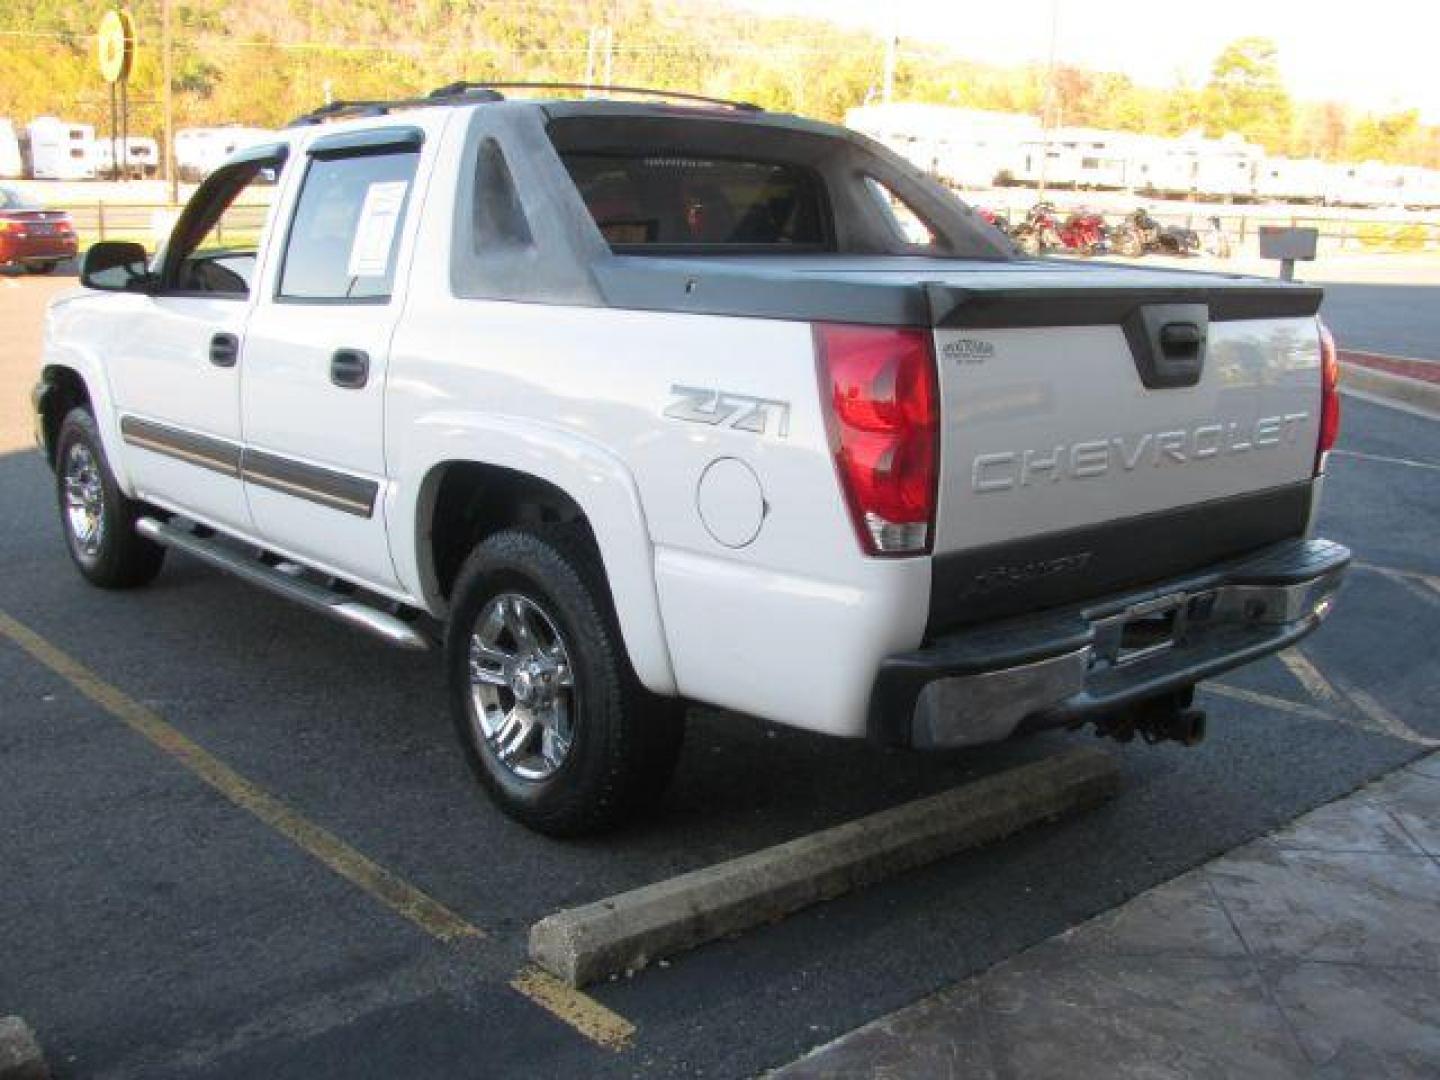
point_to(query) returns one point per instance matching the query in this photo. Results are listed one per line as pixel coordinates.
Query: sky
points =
(1379, 55)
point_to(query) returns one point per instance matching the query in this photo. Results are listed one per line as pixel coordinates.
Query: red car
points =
(31, 236)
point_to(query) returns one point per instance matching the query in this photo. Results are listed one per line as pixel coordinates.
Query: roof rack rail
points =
(471, 89)
(490, 91)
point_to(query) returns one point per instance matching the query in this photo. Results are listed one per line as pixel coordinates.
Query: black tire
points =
(41, 267)
(625, 741)
(118, 557)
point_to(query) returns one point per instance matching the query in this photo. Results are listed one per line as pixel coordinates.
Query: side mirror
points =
(116, 266)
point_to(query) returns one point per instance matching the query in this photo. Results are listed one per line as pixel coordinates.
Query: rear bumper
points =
(1065, 667)
(54, 248)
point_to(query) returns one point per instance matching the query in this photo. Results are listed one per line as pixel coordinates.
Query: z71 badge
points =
(720, 408)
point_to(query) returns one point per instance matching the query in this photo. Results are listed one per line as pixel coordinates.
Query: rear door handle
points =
(224, 350)
(350, 368)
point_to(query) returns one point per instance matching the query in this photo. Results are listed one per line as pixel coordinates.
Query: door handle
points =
(224, 350)
(350, 368)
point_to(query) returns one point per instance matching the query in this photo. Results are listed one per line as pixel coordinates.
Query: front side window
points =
(657, 200)
(345, 234)
(215, 246)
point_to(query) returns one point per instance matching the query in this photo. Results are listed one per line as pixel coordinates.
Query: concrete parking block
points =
(20, 1055)
(629, 931)
(1337, 906)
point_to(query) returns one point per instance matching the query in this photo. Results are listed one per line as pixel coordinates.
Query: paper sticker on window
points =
(379, 216)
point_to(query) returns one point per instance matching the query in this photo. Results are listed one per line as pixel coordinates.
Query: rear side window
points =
(346, 230)
(658, 201)
(904, 220)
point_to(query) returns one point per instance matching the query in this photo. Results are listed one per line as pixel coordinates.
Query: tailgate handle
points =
(1180, 339)
(1168, 343)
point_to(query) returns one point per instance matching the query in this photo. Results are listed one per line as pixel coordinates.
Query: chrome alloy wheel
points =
(84, 498)
(522, 687)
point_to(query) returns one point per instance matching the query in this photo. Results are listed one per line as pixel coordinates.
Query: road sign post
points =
(1289, 245)
(116, 45)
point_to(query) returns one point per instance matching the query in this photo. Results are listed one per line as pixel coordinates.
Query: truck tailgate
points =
(1094, 439)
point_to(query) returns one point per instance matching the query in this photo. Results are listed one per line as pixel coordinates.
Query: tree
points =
(1246, 94)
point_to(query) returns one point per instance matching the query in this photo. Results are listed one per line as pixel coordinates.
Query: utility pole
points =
(892, 40)
(600, 36)
(172, 175)
(1047, 107)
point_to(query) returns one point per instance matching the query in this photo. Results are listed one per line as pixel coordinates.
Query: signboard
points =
(116, 41)
(1277, 242)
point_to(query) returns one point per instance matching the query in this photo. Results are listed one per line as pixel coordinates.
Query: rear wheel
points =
(41, 267)
(98, 519)
(555, 724)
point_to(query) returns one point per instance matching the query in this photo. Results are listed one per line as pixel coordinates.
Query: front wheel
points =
(554, 722)
(99, 520)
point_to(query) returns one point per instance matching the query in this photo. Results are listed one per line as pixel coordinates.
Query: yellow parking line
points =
(1411, 579)
(570, 1006)
(579, 1010)
(1344, 694)
(1253, 697)
(429, 915)
(1308, 675)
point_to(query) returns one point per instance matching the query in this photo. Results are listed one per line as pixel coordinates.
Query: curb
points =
(1415, 393)
(626, 932)
(20, 1056)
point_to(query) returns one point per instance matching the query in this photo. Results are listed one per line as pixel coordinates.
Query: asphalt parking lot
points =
(240, 841)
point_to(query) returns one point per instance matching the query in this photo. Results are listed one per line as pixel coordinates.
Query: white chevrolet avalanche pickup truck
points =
(629, 403)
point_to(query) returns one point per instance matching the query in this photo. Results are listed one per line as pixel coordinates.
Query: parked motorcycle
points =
(995, 218)
(1082, 231)
(1140, 234)
(1040, 231)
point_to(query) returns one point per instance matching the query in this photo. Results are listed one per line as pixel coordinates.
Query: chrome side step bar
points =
(342, 606)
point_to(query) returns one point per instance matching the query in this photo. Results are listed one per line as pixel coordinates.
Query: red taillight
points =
(1329, 395)
(880, 388)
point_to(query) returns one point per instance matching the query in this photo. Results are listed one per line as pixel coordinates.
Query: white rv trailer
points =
(60, 150)
(1073, 158)
(1367, 184)
(1419, 188)
(139, 154)
(966, 148)
(12, 165)
(200, 151)
(1280, 179)
(1197, 166)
